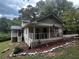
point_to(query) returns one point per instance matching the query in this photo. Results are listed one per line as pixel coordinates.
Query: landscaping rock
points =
(23, 54)
(11, 55)
(5, 50)
(32, 53)
(14, 55)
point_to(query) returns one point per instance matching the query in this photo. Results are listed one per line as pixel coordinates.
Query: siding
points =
(51, 21)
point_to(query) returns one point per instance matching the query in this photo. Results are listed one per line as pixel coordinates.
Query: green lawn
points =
(69, 53)
(3, 45)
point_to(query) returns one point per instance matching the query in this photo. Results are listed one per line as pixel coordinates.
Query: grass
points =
(69, 53)
(3, 45)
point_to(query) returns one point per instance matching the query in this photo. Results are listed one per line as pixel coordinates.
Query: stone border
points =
(36, 53)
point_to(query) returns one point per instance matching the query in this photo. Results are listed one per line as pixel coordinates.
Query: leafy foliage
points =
(62, 8)
(29, 13)
(5, 25)
(17, 50)
(5, 38)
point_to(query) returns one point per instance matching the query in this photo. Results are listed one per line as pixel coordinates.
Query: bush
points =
(17, 50)
(2, 39)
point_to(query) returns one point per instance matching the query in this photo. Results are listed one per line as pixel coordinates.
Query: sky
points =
(9, 8)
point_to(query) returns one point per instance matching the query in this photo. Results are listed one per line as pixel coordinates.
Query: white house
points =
(38, 32)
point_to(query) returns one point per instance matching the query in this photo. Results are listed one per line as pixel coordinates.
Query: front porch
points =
(37, 35)
(40, 32)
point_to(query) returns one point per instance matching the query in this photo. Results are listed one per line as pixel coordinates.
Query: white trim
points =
(44, 24)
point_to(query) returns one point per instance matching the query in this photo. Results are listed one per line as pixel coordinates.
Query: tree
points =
(4, 24)
(44, 8)
(28, 13)
(53, 6)
(62, 8)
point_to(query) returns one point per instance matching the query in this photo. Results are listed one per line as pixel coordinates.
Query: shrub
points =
(17, 50)
(2, 39)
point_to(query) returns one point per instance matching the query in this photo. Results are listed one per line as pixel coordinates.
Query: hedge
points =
(17, 50)
(2, 39)
(5, 37)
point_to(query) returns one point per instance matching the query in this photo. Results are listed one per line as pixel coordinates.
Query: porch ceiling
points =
(16, 27)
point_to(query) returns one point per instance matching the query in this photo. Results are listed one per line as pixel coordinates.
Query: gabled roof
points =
(52, 15)
(48, 16)
(31, 22)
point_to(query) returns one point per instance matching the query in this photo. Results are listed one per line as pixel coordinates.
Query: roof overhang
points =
(16, 28)
(41, 24)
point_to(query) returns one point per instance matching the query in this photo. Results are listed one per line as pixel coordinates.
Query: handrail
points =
(39, 35)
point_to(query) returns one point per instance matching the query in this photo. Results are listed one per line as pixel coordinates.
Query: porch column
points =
(27, 32)
(49, 31)
(11, 36)
(34, 32)
(60, 32)
(54, 33)
(18, 40)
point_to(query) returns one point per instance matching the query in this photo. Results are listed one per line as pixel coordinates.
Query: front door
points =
(37, 33)
(45, 33)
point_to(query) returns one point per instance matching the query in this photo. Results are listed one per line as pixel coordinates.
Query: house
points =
(38, 32)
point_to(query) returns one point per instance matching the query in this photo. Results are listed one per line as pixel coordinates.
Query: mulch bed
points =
(48, 46)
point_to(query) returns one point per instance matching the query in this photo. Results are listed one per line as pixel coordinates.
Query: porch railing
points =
(39, 35)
